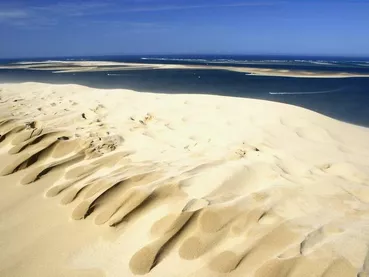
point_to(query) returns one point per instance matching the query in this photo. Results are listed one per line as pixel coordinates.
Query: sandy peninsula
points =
(119, 183)
(98, 66)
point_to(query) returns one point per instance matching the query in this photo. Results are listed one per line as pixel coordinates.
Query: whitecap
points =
(305, 92)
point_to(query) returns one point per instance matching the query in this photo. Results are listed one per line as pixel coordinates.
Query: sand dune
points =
(120, 183)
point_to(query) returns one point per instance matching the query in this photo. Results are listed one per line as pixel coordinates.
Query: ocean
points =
(345, 99)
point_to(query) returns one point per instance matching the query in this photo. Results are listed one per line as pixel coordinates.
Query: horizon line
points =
(187, 54)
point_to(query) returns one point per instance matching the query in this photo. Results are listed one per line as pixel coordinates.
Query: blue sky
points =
(43, 28)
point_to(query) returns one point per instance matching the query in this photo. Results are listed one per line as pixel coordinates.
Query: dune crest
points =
(119, 183)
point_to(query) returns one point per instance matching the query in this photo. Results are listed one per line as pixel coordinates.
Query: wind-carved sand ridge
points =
(120, 183)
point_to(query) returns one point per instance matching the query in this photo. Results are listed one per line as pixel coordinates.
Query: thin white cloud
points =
(188, 7)
(25, 19)
(13, 14)
(124, 27)
(94, 8)
(50, 15)
(74, 9)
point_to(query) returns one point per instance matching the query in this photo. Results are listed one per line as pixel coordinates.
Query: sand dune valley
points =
(97, 182)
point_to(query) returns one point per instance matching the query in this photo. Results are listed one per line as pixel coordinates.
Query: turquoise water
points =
(345, 99)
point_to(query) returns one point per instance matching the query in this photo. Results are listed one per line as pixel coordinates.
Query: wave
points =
(116, 74)
(243, 61)
(37, 62)
(176, 59)
(306, 92)
(212, 60)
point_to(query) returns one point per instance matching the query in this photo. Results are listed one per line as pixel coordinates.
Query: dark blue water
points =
(345, 99)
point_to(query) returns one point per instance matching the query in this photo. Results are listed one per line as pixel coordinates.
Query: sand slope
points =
(118, 183)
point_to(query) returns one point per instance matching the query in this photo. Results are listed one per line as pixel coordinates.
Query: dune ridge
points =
(119, 183)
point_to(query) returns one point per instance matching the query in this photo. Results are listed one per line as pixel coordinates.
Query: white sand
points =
(118, 183)
(95, 66)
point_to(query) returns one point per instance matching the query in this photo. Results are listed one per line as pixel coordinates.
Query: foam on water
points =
(306, 92)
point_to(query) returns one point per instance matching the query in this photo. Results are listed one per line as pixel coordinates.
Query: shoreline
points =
(98, 66)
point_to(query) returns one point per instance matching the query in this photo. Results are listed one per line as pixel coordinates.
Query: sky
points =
(52, 28)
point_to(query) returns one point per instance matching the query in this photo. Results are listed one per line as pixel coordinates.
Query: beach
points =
(98, 66)
(114, 182)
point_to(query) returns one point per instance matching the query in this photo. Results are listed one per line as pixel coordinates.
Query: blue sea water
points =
(345, 99)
